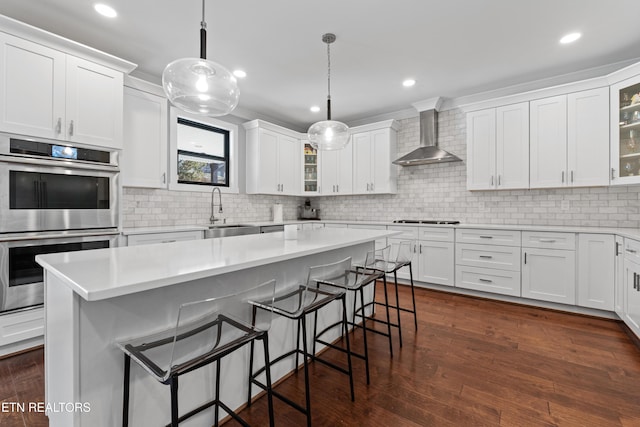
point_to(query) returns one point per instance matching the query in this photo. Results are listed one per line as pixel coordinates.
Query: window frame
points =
(232, 152)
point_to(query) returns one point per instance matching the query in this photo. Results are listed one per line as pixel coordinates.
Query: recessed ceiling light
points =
(408, 83)
(315, 109)
(570, 38)
(241, 74)
(105, 10)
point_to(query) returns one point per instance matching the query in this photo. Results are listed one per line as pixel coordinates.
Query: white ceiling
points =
(452, 48)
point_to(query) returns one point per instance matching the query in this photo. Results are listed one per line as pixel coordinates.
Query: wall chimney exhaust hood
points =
(428, 151)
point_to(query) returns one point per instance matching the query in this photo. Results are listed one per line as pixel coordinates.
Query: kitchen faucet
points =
(213, 218)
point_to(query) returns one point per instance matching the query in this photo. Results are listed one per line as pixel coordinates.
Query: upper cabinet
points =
(625, 132)
(498, 148)
(310, 169)
(374, 148)
(336, 168)
(144, 157)
(273, 159)
(569, 140)
(47, 93)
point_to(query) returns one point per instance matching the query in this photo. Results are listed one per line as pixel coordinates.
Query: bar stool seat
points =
(296, 303)
(205, 331)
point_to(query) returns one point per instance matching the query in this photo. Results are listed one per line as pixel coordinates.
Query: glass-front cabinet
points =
(310, 168)
(625, 132)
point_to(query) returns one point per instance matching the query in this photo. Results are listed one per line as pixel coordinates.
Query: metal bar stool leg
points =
(413, 298)
(395, 280)
(265, 341)
(251, 345)
(173, 383)
(217, 393)
(125, 396)
(364, 331)
(386, 306)
(306, 369)
(344, 322)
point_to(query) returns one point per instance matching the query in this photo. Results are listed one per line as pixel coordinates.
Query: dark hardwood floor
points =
(472, 362)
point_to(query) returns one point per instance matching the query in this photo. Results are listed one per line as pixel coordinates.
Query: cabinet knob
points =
(563, 177)
(59, 125)
(71, 128)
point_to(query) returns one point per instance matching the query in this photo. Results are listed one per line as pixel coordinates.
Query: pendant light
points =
(201, 86)
(328, 134)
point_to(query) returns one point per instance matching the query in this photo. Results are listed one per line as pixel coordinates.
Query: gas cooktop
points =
(425, 221)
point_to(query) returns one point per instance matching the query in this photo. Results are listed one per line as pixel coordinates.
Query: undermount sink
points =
(226, 230)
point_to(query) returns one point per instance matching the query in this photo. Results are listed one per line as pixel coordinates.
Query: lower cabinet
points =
(632, 285)
(488, 280)
(596, 271)
(549, 275)
(619, 279)
(436, 262)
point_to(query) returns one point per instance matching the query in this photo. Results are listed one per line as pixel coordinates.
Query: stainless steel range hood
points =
(428, 151)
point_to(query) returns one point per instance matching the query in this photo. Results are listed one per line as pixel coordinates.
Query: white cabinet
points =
(310, 168)
(163, 237)
(409, 235)
(632, 295)
(144, 156)
(548, 273)
(373, 152)
(47, 93)
(619, 280)
(625, 132)
(273, 159)
(488, 260)
(498, 148)
(548, 142)
(596, 271)
(336, 168)
(436, 255)
(569, 140)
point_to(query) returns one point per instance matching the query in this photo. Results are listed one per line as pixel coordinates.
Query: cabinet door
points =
(362, 162)
(596, 271)
(288, 166)
(632, 296)
(267, 171)
(344, 172)
(383, 179)
(588, 138)
(549, 275)
(144, 157)
(548, 142)
(619, 281)
(93, 103)
(512, 146)
(403, 273)
(481, 150)
(329, 171)
(625, 132)
(436, 262)
(31, 88)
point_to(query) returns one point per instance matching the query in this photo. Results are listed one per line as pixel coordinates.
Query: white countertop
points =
(107, 273)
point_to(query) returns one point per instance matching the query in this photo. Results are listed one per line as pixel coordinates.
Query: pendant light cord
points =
(328, 80)
(203, 36)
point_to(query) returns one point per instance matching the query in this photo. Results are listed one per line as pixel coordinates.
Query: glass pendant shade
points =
(328, 135)
(200, 86)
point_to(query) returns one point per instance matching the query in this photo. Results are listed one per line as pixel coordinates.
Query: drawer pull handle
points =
(486, 237)
(486, 280)
(169, 241)
(631, 251)
(486, 256)
(635, 281)
(547, 240)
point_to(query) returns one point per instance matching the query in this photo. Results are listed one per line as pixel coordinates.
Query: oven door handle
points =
(61, 163)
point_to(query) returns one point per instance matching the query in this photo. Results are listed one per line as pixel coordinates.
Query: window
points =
(203, 154)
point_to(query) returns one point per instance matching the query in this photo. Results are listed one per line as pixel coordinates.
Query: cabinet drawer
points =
(408, 233)
(632, 250)
(488, 280)
(488, 237)
(151, 238)
(548, 240)
(488, 256)
(437, 234)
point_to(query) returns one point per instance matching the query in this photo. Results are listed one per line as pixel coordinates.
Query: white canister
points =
(277, 212)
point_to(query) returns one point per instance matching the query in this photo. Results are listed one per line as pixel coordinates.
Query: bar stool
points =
(376, 261)
(403, 259)
(341, 275)
(296, 303)
(205, 332)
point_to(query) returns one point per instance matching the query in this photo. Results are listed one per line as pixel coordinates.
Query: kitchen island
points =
(94, 299)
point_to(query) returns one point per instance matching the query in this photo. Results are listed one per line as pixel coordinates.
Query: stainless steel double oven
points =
(54, 197)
